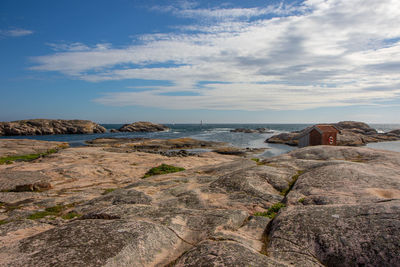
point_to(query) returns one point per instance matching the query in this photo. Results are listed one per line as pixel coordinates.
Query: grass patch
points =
(28, 157)
(291, 183)
(301, 200)
(258, 161)
(70, 215)
(54, 211)
(40, 215)
(162, 169)
(108, 190)
(11, 207)
(272, 211)
(3, 222)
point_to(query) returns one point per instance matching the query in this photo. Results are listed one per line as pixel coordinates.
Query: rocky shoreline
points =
(351, 134)
(316, 206)
(48, 127)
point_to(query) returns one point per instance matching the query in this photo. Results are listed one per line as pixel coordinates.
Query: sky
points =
(184, 61)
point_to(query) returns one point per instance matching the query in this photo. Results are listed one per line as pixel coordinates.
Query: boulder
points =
(143, 126)
(357, 127)
(284, 138)
(47, 127)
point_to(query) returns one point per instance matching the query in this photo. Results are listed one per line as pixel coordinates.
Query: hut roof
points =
(322, 128)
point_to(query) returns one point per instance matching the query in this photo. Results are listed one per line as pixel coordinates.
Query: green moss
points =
(55, 209)
(255, 159)
(108, 190)
(51, 211)
(11, 207)
(3, 222)
(70, 215)
(272, 211)
(301, 200)
(40, 215)
(291, 183)
(162, 169)
(28, 157)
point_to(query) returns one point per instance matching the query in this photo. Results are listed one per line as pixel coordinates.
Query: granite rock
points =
(47, 127)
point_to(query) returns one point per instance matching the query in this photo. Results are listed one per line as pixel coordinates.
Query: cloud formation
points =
(15, 32)
(321, 53)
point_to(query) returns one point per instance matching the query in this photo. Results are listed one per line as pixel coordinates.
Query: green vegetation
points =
(162, 169)
(55, 211)
(40, 215)
(272, 211)
(108, 190)
(259, 162)
(301, 200)
(291, 183)
(28, 157)
(11, 207)
(3, 222)
(70, 215)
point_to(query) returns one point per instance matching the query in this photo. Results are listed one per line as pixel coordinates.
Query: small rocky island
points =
(111, 204)
(47, 127)
(351, 134)
(141, 126)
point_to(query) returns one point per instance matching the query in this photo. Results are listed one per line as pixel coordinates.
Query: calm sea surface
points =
(215, 132)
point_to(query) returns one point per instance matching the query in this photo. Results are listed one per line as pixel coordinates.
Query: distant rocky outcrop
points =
(352, 133)
(247, 130)
(142, 126)
(166, 147)
(48, 127)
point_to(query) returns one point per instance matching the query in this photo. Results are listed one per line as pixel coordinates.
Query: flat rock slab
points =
(23, 181)
(334, 235)
(12, 147)
(342, 208)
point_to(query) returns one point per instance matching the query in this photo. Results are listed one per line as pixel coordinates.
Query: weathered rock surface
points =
(343, 211)
(143, 126)
(351, 134)
(343, 208)
(46, 127)
(246, 130)
(14, 147)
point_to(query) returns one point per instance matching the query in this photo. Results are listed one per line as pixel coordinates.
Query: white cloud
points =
(322, 53)
(15, 32)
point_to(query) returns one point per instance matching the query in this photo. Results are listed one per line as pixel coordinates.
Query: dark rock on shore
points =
(47, 127)
(246, 130)
(351, 134)
(143, 126)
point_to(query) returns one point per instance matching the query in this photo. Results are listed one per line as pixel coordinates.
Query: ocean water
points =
(214, 132)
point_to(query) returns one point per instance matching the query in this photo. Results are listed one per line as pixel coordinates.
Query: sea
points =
(215, 132)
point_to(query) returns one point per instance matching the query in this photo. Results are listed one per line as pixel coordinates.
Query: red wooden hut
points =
(320, 134)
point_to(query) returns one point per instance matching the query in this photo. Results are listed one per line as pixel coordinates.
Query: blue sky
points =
(185, 61)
